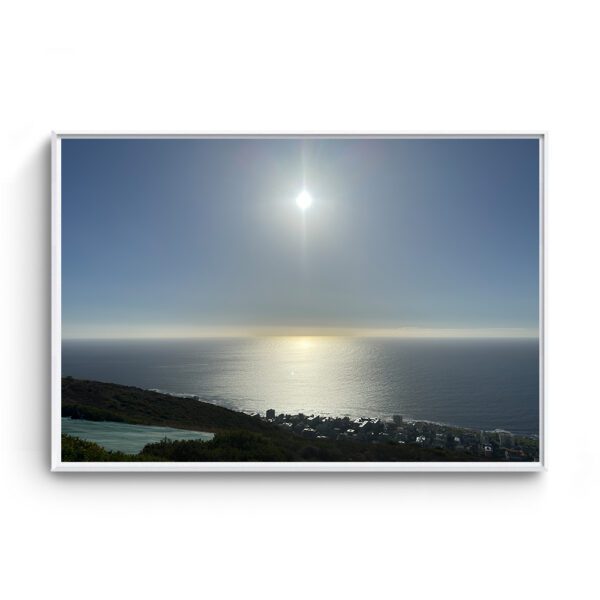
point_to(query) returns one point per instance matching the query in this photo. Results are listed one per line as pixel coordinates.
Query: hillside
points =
(97, 401)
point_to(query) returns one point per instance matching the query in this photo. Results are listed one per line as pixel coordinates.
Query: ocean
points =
(478, 383)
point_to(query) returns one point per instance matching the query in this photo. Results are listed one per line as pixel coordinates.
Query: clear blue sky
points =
(165, 237)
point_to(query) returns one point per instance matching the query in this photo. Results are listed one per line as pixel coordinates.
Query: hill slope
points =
(97, 401)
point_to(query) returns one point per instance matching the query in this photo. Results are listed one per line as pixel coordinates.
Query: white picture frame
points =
(57, 465)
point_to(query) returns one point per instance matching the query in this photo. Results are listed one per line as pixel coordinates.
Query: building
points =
(271, 413)
(309, 432)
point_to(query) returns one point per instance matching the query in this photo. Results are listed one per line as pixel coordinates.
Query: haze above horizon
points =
(409, 332)
(308, 237)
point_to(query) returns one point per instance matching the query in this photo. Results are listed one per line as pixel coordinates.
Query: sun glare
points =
(304, 200)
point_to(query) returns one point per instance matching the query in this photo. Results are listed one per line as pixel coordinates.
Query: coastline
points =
(282, 437)
(383, 417)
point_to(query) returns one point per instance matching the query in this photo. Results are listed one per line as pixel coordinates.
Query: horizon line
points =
(399, 332)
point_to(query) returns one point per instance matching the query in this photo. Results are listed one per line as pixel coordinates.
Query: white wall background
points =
(272, 66)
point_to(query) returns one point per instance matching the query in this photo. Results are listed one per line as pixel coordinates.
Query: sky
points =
(192, 237)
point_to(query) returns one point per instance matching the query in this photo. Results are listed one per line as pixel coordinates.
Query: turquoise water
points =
(124, 437)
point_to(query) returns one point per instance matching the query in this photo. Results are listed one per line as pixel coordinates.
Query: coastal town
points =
(493, 445)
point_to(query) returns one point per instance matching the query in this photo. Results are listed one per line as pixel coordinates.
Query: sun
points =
(304, 200)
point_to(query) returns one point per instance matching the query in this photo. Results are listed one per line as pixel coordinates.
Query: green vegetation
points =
(245, 446)
(242, 446)
(77, 450)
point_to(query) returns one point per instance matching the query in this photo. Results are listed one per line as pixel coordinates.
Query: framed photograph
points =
(303, 302)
